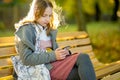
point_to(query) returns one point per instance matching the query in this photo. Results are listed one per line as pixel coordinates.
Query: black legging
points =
(83, 69)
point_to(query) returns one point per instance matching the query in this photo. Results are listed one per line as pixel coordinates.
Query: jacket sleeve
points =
(26, 48)
(53, 35)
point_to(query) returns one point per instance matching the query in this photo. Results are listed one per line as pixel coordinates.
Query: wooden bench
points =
(115, 76)
(79, 42)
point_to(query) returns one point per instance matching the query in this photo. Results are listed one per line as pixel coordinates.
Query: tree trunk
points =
(119, 15)
(98, 12)
(80, 16)
(114, 16)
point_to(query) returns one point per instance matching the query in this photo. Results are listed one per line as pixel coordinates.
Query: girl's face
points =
(46, 17)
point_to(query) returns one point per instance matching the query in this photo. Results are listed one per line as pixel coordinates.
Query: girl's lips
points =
(46, 22)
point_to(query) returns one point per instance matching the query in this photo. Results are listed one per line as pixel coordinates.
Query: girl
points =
(35, 33)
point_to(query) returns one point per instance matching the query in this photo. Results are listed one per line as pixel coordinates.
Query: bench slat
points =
(60, 36)
(82, 49)
(5, 72)
(71, 35)
(2, 45)
(7, 51)
(115, 76)
(7, 78)
(74, 43)
(6, 67)
(108, 69)
(7, 39)
(7, 56)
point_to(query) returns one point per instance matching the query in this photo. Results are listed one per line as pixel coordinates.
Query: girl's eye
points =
(47, 15)
(50, 15)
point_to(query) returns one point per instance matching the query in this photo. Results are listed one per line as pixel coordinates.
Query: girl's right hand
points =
(60, 54)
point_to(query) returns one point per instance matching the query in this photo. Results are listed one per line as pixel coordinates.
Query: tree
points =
(80, 16)
(11, 11)
(98, 12)
(116, 7)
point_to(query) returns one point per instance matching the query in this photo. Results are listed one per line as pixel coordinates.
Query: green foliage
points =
(2, 26)
(5, 33)
(106, 6)
(12, 3)
(20, 1)
(59, 2)
(67, 28)
(88, 6)
(105, 40)
(69, 7)
(6, 4)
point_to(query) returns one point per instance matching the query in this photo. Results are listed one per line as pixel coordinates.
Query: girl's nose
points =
(48, 19)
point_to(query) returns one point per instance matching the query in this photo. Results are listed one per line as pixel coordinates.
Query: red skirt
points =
(62, 68)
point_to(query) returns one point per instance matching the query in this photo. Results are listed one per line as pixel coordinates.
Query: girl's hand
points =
(67, 52)
(61, 53)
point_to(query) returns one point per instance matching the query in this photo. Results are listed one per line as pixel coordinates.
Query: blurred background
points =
(100, 18)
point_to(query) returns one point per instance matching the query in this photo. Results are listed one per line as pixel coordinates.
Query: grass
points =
(104, 37)
(68, 28)
(5, 33)
(105, 40)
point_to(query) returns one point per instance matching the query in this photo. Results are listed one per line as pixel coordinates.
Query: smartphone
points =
(66, 47)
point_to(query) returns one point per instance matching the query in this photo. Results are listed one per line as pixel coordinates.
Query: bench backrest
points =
(79, 42)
